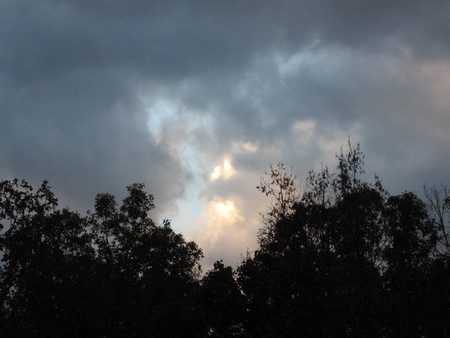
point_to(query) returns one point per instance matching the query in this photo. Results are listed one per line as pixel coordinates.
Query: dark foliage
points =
(343, 259)
(347, 260)
(112, 273)
(223, 302)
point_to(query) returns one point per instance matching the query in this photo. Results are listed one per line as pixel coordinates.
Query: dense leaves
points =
(347, 259)
(112, 273)
(342, 259)
(224, 304)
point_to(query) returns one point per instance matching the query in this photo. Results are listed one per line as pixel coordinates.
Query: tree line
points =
(342, 259)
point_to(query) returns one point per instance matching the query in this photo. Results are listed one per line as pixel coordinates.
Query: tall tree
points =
(345, 259)
(111, 273)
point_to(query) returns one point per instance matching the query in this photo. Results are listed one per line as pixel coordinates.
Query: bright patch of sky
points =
(224, 171)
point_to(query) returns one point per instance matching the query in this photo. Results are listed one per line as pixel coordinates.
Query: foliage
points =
(342, 259)
(111, 273)
(224, 304)
(282, 192)
(347, 259)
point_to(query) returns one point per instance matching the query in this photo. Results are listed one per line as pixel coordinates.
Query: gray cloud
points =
(81, 80)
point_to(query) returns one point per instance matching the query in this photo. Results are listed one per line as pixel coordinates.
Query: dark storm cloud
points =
(73, 74)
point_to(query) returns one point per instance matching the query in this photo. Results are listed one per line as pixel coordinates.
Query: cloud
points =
(97, 95)
(224, 228)
(224, 171)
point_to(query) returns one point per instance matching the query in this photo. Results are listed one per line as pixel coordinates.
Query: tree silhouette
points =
(342, 259)
(346, 259)
(111, 273)
(224, 304)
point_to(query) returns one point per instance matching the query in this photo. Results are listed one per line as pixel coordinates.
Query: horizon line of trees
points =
(342, 259)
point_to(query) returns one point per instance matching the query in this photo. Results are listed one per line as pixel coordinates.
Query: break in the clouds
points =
(196, 98)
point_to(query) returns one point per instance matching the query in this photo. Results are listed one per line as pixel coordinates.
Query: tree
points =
(412, 236)
(346, 259)
(282, 193)
(342, 259)
(438, 204)
(45, 253)
(156, 267)
(224, 304)
(112, 272)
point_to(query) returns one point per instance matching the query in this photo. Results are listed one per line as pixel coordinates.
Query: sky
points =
(197, 98)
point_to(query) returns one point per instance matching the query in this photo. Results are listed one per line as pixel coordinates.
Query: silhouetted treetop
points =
(345, 258)
(340, 258)
(113, 272)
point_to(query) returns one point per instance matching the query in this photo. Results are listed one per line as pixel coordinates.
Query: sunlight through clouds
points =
(224, 171)
(225, 209)
(222, 218)
(199, 118)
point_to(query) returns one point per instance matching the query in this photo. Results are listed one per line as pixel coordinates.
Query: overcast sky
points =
(197, 98)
